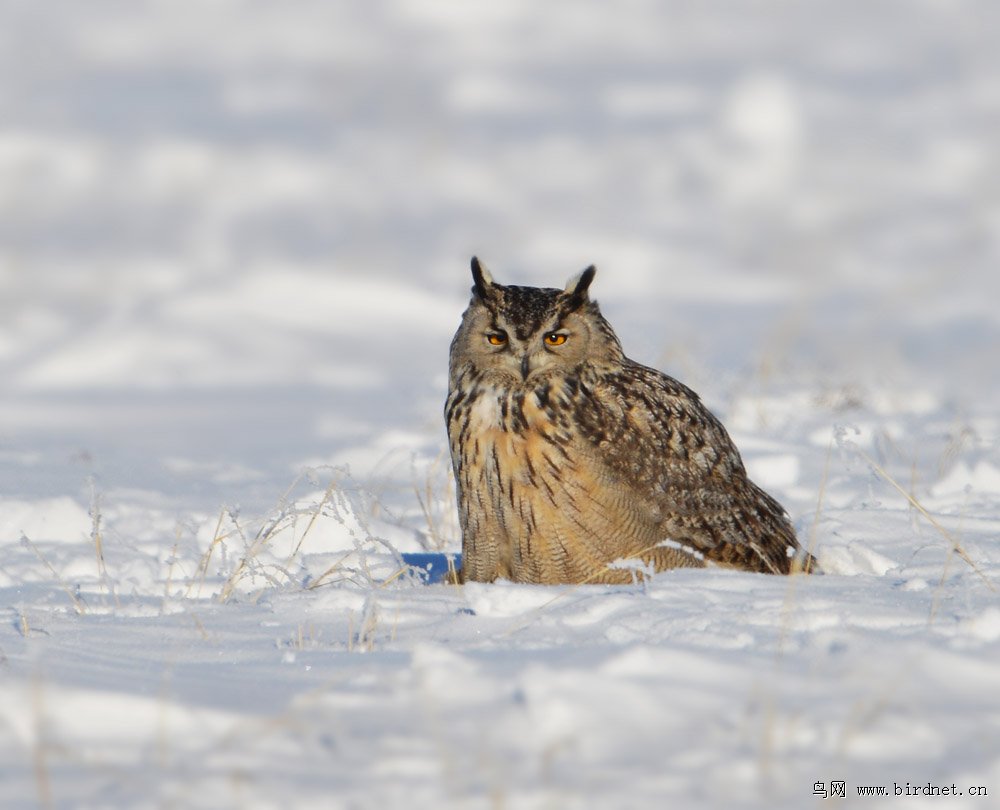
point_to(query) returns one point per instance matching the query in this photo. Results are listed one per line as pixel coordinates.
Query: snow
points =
(234, 244)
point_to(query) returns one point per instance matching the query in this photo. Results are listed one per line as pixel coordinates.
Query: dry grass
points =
(78, 604)
(97, 538)
(435, 494)
(290, 524)
(955, 546)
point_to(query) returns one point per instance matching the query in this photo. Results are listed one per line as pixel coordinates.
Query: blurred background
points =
(234, 235)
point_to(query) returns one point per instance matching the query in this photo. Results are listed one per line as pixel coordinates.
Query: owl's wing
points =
(653, 434)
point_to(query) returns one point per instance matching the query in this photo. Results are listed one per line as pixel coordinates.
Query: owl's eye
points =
(555, 339)
(496, 338)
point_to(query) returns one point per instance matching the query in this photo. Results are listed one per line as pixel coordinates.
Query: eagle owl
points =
(574, 463)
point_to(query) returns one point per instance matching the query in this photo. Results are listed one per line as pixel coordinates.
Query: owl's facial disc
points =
(520, 335)
(551, 347)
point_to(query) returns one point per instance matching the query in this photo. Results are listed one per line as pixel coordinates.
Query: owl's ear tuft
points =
(576, 287)
(482, 280)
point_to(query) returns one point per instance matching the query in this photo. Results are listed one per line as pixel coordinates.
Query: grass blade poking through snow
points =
(78, 604)
(955, 545)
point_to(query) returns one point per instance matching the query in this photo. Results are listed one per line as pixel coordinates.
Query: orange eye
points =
(555, 339)
(496, 338)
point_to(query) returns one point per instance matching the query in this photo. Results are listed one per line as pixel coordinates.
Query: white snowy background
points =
(234, 243)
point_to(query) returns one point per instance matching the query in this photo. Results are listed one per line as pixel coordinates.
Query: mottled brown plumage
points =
(569, 457)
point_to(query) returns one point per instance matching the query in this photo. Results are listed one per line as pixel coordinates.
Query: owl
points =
(575, 464)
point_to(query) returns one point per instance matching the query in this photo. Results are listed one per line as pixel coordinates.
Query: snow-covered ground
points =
(234, 239)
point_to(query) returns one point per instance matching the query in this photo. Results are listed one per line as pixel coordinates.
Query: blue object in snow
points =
(432, 566)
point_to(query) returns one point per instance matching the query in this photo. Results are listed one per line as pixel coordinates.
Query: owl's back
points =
(655, 433)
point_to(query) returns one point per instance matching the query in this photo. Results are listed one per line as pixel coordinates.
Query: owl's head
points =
(520, 335)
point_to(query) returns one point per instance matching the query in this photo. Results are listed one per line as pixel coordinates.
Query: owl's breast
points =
(532, 492)
(510, 426)
(512, 411)
(512, 446)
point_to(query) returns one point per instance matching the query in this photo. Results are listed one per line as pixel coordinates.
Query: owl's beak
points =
(525, 366)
